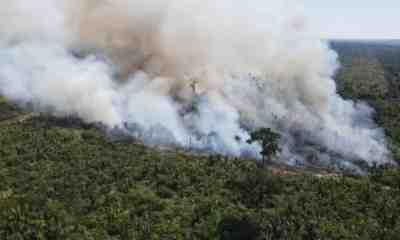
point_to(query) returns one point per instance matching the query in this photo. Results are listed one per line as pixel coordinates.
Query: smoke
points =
(193, 73)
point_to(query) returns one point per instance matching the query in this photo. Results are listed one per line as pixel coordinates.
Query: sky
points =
(355, 19)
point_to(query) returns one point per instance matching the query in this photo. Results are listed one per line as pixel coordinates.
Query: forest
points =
(63, 179)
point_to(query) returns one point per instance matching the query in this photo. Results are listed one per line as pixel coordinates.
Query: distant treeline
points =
(370, 71)
(385, 53)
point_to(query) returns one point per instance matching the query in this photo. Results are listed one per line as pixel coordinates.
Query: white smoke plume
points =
(198, 73)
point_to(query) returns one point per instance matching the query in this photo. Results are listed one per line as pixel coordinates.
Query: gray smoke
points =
(198, 73)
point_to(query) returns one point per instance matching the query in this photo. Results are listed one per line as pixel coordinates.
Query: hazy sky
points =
(364, 19)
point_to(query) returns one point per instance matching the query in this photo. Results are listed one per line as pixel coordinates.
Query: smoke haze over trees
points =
(86, 86)
(131, 63)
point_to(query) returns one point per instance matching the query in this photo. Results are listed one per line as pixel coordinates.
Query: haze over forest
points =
(199, 120)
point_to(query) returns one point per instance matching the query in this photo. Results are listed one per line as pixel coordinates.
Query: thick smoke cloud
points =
(198, 73)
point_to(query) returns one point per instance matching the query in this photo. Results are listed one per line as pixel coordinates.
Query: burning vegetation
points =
(192, 120)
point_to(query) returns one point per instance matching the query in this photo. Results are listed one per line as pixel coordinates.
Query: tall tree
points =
(268, 141)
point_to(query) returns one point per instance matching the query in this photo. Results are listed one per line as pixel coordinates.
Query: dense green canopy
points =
(62, 179)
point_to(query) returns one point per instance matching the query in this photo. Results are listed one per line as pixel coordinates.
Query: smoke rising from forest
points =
(195, 73)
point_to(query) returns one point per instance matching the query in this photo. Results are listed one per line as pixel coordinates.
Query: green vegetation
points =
(62, 179)
(63, 182)
(363, 78)
(7, 110)
(268, 140)
(371, 72)
(2, 100)
(369, 60)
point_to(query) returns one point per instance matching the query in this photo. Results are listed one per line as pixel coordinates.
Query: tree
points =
(268, 141)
